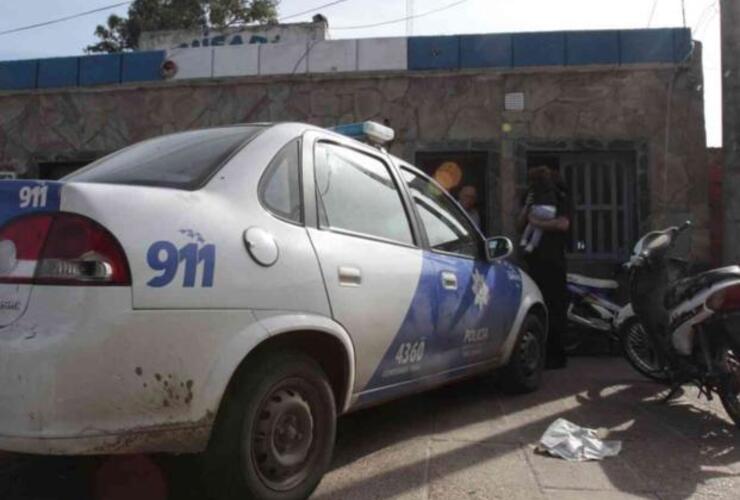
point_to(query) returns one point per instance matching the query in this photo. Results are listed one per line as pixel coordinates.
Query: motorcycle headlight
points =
(726, 299)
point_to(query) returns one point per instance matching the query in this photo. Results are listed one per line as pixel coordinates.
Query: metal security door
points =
(602, 188)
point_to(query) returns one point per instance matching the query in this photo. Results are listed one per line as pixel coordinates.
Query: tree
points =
(122, 33)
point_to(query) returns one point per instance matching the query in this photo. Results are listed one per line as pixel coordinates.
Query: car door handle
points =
(349, 276)
(449, 280)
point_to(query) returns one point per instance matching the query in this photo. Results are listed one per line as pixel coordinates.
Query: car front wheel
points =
(275, 434)
(523, 373)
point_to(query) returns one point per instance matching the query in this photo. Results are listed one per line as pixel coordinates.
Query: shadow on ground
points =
(463, 441)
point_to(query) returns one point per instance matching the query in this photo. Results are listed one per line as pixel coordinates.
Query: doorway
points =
(603, 189)
(454, 170)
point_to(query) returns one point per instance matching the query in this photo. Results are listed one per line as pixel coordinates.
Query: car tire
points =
(274, 436)
(523, 372)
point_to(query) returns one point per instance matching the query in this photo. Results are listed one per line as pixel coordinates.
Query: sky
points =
(469, 16)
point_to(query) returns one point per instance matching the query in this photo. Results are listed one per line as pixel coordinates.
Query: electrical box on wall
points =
(514, 101)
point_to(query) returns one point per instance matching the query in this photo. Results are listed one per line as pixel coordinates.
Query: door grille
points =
(602, 189)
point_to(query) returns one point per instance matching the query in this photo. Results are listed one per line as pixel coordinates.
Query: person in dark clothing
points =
(546, 263)
(544, 204)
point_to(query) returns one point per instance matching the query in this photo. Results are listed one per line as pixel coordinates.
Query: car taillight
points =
(726, 299)
(61, 249)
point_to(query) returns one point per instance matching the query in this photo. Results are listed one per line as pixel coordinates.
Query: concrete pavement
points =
(471, 441)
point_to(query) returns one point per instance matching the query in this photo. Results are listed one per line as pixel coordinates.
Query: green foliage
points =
(122, 33)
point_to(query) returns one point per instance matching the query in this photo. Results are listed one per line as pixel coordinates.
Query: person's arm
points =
(523, 217)
(558, 224)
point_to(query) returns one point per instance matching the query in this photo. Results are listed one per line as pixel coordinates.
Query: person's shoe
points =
(556, 362)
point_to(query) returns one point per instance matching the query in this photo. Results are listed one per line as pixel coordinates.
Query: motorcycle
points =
(592, 310)
(692, 322)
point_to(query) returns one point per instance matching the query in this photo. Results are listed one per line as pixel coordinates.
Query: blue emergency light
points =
(368, 131)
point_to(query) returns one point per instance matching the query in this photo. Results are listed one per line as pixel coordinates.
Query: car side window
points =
(355, 192)
(280, 188)
(448, 230)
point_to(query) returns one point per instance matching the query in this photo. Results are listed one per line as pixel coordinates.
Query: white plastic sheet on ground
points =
(574, 443)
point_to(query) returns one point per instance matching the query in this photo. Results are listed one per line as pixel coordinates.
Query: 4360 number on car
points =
(410, 352)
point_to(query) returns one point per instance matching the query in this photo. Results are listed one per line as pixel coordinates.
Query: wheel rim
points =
(283, 437)
(639, 349)
(530, 353)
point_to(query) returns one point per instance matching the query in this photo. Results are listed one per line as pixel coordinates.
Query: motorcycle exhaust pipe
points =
(594, 324)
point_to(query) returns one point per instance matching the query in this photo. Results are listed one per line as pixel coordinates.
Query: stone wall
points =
(658, 108)
(731, 126)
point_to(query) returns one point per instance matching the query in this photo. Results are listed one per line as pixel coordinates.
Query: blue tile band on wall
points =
(58, 72)
(142, 66)
(669, 45)
(100, 69)
(539, 49)
(592, 47)
(18, 75)
(682, 44)
(434, 52)
(485, 51)
(647, 46)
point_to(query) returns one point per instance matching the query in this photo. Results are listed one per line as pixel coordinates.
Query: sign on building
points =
(244, 35)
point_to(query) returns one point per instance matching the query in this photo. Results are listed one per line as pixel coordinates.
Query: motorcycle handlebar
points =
(683, 227)
(645, 255)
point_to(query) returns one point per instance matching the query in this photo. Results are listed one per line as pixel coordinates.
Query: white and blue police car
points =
(233, 290)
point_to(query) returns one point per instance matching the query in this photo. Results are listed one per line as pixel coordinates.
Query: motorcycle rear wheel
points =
(729, 387)
(640, 353)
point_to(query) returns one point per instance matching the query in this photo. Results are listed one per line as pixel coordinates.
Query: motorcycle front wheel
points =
(639, 351)
(729, 387)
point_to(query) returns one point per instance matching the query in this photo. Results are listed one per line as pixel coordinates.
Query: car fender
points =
(279, 322)
(269, 324)
(531, 297)
(226, 363)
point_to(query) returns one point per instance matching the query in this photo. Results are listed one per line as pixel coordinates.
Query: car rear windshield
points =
(183, 161)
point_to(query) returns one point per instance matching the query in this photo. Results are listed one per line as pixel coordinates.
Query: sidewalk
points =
(469, 441)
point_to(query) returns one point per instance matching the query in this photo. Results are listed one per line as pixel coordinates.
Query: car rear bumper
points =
(83, 373)
(151, 440)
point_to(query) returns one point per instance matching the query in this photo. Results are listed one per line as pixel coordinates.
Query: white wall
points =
(283, 58)
(236, 61)
(192, 63)
(382, 54)
(335, 56)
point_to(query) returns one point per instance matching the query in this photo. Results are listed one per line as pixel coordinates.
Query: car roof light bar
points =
(369, 131)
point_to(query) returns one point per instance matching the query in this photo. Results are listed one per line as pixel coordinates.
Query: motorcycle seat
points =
(579, 279)
(686, 288)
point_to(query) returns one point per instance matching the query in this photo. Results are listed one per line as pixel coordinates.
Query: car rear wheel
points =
(523, 373)
(275, 434)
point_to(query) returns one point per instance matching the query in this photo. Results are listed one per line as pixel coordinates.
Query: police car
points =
(233, 290)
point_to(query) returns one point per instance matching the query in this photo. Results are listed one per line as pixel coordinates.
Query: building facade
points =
(731, 126)
(624, 119)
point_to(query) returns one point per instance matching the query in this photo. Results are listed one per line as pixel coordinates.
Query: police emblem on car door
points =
(477, 300)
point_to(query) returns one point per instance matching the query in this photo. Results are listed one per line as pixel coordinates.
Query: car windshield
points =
(183, 161)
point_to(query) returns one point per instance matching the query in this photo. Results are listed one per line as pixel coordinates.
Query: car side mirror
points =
(499, 248)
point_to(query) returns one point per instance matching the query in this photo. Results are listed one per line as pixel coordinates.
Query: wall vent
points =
(514, 101)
